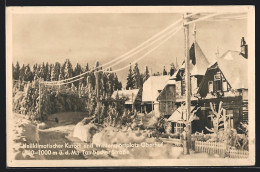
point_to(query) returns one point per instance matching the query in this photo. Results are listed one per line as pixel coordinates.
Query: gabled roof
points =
(198, 61)
(129, 94)
(169, 82)
(234, 67)
(179, 115)
(152, 87)
(201, 62)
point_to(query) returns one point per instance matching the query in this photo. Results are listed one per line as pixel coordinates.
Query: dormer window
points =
(217, 82)
(225, 85)
(210, 86)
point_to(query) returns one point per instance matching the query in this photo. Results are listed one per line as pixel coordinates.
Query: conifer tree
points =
(28, 76)
(130, 79)
(146, 74)
(48, 72)
(77, 71)
(52, 67)
(16, 71)
(68, 69)
(35, 69)
(117, 84)
(21, 73)
(45, 71)
(57, 71)
(137, 77)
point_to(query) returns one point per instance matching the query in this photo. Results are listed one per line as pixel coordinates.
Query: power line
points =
(135, 50)
(169, 36)
(129, 52)
(162, 36)
(66, 82)
(140, 58)
(141, 49)
(175, 31)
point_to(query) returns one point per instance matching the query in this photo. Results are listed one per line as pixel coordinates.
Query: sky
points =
(86, 38)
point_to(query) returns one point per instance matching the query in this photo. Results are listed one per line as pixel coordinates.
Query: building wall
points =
(167, 100)
(232, 105)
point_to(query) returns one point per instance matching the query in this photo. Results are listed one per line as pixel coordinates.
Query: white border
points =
(132, 162)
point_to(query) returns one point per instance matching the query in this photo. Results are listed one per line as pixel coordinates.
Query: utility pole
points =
(187, 81)
(40, 115)
(97, 91)
(152, 90)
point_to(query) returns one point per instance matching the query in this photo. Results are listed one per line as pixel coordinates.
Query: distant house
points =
(226, 80)
(151, 90)
(167, 99)
(133, 98)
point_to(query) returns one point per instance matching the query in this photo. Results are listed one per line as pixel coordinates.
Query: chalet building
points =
(133, 98)
(173, 95)
(226, 80)
(151, 90)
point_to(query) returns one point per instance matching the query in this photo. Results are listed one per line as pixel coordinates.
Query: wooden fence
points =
(234, 153)
(220, 148)
(176, 142)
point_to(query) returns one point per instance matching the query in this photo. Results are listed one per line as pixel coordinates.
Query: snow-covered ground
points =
(108, 142)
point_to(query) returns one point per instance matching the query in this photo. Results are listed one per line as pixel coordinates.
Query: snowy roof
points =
(152, 87)
(179, 115)
(129, 94)
(198, 61)
(234, 67)
(169, 82)
(201, 61)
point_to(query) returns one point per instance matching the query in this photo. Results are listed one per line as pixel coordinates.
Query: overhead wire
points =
(140, 58)
(135, 50)
(125, 54)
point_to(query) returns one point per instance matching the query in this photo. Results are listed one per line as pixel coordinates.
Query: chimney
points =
(164, 71)
(244, 51)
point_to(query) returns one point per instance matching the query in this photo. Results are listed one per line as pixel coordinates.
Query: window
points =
(210, 85)
(225, 85)
(229, 118)
(178, 127)
(210, 119)
(217, 82)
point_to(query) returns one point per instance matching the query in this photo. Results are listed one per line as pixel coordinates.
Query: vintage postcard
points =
(130, 86)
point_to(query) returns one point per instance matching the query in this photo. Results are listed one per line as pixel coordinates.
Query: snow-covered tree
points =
(146, 74)
(16, 71)
(137, 77)
(130, 79)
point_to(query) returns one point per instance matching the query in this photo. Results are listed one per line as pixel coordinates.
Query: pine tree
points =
(52, 67)
(57, 71)
(86, 69)
(77, 71)
(130, 79)
(45, 72)
(28, 76)
(68, 69)
(48, 72)
(16, 71)
(41, 70)
(97, 65)
(146, 74)
(117, 84)
(173, 69)
(164, 71)
(35, 69)
(21, 73)
(137, 77)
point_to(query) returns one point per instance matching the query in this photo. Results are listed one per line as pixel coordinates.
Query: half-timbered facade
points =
(226, 80)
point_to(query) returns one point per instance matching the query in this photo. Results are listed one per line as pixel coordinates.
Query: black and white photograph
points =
(130, 86)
